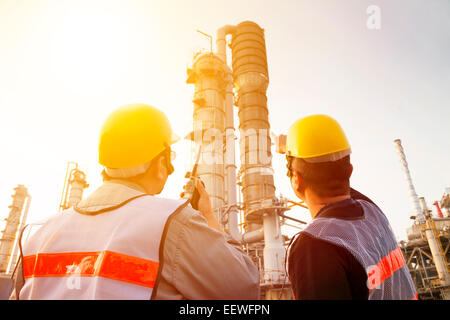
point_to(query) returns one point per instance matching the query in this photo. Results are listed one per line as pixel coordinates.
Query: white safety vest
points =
(111, 255)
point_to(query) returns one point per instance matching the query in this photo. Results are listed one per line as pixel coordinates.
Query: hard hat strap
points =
(168, 155)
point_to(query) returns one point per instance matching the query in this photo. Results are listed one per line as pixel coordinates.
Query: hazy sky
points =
(64, 65)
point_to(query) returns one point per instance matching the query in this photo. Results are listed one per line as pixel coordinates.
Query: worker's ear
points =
(158, 170)
(162, 167)
(351, 170)
(297, 184)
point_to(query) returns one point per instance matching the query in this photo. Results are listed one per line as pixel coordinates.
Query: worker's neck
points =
(150, 188)
(315, 203)
(147, 185)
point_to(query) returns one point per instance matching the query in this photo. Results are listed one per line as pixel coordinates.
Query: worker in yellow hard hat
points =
(124, 242)
(348, 250)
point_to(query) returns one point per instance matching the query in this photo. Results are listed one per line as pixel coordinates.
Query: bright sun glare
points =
(89, 45)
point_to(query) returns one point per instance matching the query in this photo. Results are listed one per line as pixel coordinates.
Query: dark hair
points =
(326, 179)
(132, 179)
(106, 177)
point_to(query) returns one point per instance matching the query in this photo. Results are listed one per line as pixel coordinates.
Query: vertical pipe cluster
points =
(208, 74)
(213, 110)
(230, 150)
(13, 222)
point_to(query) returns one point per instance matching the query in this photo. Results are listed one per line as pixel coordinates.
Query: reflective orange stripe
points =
(107, 264)
(385, 268)
(416, 297)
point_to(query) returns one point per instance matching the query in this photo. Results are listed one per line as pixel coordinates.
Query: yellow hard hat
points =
(317, 138)
(133, 135)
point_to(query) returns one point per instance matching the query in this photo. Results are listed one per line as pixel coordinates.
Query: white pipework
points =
(274, 252)
(230, 161)
(230, 157)
(221, 43)
(412, 192)
(253, 236)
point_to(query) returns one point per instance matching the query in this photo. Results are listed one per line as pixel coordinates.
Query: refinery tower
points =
(255, 220)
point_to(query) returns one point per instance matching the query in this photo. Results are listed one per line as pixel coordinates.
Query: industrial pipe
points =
(253, 236)
(230, 163)
(438, 209)
(221, 43)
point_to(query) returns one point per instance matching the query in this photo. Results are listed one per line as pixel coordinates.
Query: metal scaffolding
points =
(426, 252)
(419, 260)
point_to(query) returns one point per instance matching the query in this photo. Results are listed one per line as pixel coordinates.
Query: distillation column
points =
(77, 185)
(74, 185)
(208, 74)
(426, 221)
(251, 79)
(16, 218)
